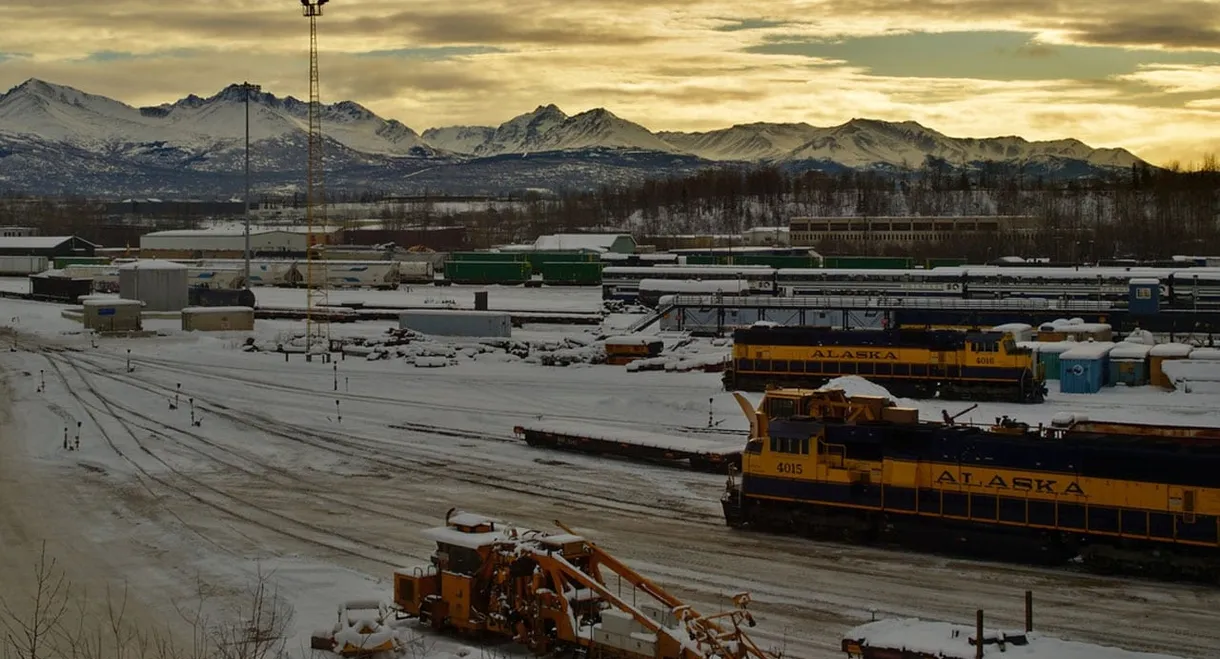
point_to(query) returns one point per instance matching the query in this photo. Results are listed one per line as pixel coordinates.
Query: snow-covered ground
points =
(326, 490)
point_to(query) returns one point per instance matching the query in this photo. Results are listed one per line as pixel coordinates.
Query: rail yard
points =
(198, 459)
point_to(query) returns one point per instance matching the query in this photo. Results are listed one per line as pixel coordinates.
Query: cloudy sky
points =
(1141, 74)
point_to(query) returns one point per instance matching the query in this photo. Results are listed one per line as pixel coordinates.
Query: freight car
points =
(1119, 497)
(916, 363)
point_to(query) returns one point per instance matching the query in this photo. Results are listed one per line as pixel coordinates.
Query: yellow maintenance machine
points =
(550, 593)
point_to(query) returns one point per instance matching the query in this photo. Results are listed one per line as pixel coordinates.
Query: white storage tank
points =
(445, 322)
(160, 285)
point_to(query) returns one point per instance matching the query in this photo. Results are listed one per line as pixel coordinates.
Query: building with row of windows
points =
(810, 231)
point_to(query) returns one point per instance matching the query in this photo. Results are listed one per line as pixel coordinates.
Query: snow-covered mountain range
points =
(56, 139)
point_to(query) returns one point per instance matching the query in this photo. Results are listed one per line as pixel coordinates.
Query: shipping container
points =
(485, 272)
(22, 265)
(446, 322)
(112, 315)
(62, 262)
(217, 319)
(1083, 369)
(572, 274)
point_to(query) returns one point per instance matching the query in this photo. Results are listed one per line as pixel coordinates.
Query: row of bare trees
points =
(59, 619)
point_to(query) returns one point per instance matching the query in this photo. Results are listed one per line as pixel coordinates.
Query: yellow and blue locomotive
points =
(1119, 496)
(916, 363)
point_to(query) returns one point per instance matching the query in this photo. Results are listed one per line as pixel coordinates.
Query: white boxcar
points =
(415, 271)
(216, 278)
(263, 272)
(355, 274)
(22, 265)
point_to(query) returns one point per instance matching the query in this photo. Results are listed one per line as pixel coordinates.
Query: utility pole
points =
(248, 88)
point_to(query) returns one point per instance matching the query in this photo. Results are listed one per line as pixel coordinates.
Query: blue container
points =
(1082, 370)
(1144, 296)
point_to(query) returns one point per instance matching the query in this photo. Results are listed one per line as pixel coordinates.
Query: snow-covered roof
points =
(1209, 354)
(152, 264)
(1074, 328)
(453, 313)
(470, 519)
(1171, 350)
(577, 241)
(954, 642)
(1146, 281)
(1015, 328)
(111, 302)
(448, 536)
(1056, 347)
(34, 242)
(197, 311)
(1088, 350)
(690, 286)
(1130, 350)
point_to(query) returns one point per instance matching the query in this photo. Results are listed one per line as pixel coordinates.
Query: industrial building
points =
(768, 236)
(905, 231)
(231, 243)
(621, 243)
(48, 246)
(17, 232)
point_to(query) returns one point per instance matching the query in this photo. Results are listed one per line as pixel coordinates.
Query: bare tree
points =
(29, 629)
(258, 625)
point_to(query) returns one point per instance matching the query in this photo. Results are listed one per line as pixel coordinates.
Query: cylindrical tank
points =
(160, 285)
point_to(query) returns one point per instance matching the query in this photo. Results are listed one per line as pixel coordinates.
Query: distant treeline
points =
(1143, 212)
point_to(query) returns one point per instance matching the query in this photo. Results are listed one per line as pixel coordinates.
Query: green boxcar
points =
(776, 260)
(487, 272)
(945, 263)
(870, 262)
(485, 257)
(539, 259)
(572, 274)
(61, 262)
(702, 259)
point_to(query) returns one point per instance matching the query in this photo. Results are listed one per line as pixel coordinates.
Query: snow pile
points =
(1193, 376)
(854, 385)
(686, 355)
(954, 642)
(1141, 336)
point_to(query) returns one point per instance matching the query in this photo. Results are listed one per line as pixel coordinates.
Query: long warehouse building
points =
(231, 243)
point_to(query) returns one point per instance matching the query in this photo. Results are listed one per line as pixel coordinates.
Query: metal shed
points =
(440, 322)
(112, 315)
(217, 319)
(1047, 353)
(1129, 364)
(1082, 370)
(1161, 354)
(160, 285)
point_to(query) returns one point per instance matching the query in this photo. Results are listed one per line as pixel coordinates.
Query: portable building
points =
(217, 319)
(1047, 354)
(1161, 354)
(160, 285)
(1019, 331)
(1074, 329)
(445, 322)
(1129, 364)
(112, 315)
(1082, 370)
(1144, 296)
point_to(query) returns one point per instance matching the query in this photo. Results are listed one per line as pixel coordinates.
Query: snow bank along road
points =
(272, 473)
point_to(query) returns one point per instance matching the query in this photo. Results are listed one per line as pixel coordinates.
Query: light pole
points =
(247, 87)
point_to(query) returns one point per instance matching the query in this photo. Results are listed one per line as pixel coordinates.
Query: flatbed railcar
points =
(915, 363)
(1115, 497)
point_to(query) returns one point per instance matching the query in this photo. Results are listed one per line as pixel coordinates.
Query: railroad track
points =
(190, 493)
(349, 445)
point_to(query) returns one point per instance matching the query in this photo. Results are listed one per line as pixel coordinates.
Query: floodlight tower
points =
(316, 329)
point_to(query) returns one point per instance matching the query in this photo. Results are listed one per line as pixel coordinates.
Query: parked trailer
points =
(22, 265)
(58, 288)
(105, 277)
(665, 449)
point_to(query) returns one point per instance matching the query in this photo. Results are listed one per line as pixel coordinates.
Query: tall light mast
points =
(317, 329)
